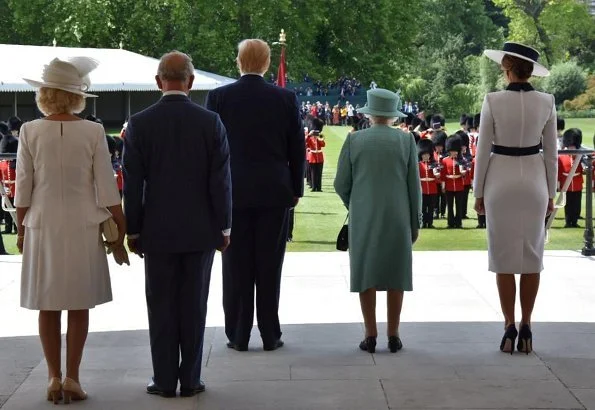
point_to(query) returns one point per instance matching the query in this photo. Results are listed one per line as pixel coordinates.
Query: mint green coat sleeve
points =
(344, 177)
(414, 187)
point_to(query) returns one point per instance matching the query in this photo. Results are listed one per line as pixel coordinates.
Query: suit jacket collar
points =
(252, 77)
(174, 97)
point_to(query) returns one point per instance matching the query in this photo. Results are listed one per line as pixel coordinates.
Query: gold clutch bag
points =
(109, 230)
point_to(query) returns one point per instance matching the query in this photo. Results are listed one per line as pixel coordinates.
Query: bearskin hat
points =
(476, 119)
(317, 124)
(425, 146)
(463, 119)
(416, 122)
(464, 138)
(409, 119)
(469, 123)
(560, 124)
(438, 121)
(453, 143)
(93, 118)
(572, 136)
(439, 138)
(14, 123)
(416, 136)
(111, 144)
(119, 143)
(428, 122)
(3, 128)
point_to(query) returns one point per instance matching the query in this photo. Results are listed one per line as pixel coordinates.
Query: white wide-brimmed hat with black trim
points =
(521, 51)
(71, 75)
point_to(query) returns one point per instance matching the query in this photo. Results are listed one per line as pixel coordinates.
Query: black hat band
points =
(521, 50)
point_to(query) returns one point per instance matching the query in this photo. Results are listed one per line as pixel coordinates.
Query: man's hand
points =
(226, 242)
(133, 246)
(479, 206)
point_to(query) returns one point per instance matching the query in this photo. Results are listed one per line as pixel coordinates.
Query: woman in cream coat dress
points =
(515, 184)
(65, 185)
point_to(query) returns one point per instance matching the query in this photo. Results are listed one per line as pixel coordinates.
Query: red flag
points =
(281, 71)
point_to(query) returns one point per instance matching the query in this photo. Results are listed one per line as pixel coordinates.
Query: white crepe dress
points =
(516, 189)
(65, 178)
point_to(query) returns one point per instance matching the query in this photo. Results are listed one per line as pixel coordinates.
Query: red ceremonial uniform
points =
(315, 145)
(468, 177)
(451, 175)
(473, 143)
(565, 163)
(8, 175)
(428, 179)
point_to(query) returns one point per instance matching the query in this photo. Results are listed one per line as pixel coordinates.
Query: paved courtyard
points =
(451, 331)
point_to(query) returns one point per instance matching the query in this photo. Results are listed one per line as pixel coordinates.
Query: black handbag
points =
(343, 237)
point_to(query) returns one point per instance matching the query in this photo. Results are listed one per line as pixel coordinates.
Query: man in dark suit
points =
(267, 161)
(177, 196)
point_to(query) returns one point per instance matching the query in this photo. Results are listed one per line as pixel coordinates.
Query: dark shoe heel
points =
(525, 344)
(368, 344)
(394, 344)
(507, 343)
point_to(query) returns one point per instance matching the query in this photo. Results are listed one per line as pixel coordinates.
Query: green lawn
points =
(320, 215)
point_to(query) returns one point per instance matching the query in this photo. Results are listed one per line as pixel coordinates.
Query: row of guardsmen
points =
(446, 170)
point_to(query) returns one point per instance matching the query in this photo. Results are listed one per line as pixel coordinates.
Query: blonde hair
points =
(54, 101)
(254, 56)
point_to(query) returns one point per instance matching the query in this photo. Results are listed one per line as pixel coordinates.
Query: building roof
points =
(119, 70)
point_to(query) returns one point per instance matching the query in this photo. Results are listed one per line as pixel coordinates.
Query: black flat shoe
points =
(270, 347)
(186, 392)
(394, 344)
(239, 348)
(152, 388)
(368, 344)
(507, 343)
(525, 344)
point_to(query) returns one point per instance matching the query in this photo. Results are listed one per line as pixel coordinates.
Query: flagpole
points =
(281, 72)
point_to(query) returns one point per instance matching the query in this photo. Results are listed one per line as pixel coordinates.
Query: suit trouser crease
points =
(177, 290)
(253, 262)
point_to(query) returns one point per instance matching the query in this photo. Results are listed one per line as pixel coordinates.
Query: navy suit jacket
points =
(266, 140)
(177, 183)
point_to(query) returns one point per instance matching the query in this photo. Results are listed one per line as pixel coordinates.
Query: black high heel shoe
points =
(525, 340)
(507, 343)
(394, 344)
(368, 344)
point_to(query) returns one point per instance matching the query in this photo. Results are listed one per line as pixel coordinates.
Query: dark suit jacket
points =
(266, 141)
(177, 183)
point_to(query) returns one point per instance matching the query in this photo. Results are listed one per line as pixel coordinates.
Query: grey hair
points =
(175, 66)
(381, 120)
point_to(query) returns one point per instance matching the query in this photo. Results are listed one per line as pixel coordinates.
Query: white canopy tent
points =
(120, 73)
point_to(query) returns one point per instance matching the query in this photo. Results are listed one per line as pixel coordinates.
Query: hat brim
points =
(40, 84)
(396, 113)
(497, 55)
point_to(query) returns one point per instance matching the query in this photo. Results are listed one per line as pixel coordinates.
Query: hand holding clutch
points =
(120, 253)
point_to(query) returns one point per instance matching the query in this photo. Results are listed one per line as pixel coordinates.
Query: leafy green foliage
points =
(566, 81)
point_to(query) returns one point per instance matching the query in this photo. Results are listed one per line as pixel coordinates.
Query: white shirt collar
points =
(175, 92)
(258, 74)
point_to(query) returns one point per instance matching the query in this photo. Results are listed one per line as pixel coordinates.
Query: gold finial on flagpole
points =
(282, 37)
(54, 42)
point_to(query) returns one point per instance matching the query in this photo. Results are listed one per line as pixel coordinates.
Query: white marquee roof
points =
(119, 70)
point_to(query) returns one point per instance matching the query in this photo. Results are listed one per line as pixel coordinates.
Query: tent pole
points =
(127, 105)
(15, 105)
(95, 107)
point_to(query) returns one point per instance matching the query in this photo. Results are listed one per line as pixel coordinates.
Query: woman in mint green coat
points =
(378, 181)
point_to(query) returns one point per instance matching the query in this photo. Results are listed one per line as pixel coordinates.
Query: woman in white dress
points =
(66, 186)
(515, 184)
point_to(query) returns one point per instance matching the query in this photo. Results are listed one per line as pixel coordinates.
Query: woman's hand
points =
(20, 241)
(479, 206)
(550, 206)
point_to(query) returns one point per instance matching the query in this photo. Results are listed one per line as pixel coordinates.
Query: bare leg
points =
(367, 301)
(78, 327)
(507, 292)
(49, 333)
(529, 288)
(394, 303)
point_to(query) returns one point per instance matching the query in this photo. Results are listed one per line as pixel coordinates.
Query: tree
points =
(566, 81)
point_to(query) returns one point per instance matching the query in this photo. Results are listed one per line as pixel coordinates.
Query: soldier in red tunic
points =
(429, 175)
(453, 172)
(571, 139)
(315, 143)
(439, 139)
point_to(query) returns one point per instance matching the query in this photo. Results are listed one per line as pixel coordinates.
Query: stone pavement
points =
(451, 331)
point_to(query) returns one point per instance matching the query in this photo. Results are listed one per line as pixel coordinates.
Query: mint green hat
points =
(382, 103)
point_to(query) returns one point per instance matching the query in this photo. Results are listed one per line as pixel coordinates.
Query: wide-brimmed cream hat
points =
(521, 51)
(70, 75)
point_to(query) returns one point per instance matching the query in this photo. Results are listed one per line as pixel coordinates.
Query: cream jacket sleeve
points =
(25, 171)
(550, 151)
